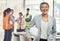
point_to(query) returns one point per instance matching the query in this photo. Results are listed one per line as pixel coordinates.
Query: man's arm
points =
(28, 19)
(12, 19)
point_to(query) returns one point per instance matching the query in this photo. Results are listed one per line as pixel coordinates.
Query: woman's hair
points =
(4, 13)
(20, 13)
(8, 10)
(44, 3)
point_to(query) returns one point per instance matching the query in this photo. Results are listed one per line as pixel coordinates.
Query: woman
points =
(19, 26)
(46, 25)
(20, 21)
(7, 26)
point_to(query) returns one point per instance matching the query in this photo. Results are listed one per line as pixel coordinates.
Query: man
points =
(28, 18)
(12, 19)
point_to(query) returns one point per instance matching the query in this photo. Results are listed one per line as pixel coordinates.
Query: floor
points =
(13, 37)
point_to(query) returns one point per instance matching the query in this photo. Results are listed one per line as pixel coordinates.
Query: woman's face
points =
(44, 8)
(20, 15)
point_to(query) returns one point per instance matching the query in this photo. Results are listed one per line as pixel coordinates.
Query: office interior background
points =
(21, 5)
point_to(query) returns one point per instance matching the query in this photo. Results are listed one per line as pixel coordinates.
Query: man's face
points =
(44, 8)
(27, 11)
(12, 11)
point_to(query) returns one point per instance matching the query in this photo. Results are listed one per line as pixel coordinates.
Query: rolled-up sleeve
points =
(28, 19)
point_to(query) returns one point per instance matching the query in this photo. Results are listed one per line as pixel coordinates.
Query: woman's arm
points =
(54, 29)
(28, 29)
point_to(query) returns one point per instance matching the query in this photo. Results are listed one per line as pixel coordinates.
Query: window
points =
(57, 15)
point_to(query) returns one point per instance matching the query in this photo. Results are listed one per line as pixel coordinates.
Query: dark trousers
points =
(43, 39)
(40, 39)
(20, 30)
(8, 35)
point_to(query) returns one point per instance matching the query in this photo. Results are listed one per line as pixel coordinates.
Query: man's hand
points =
(29, 39)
